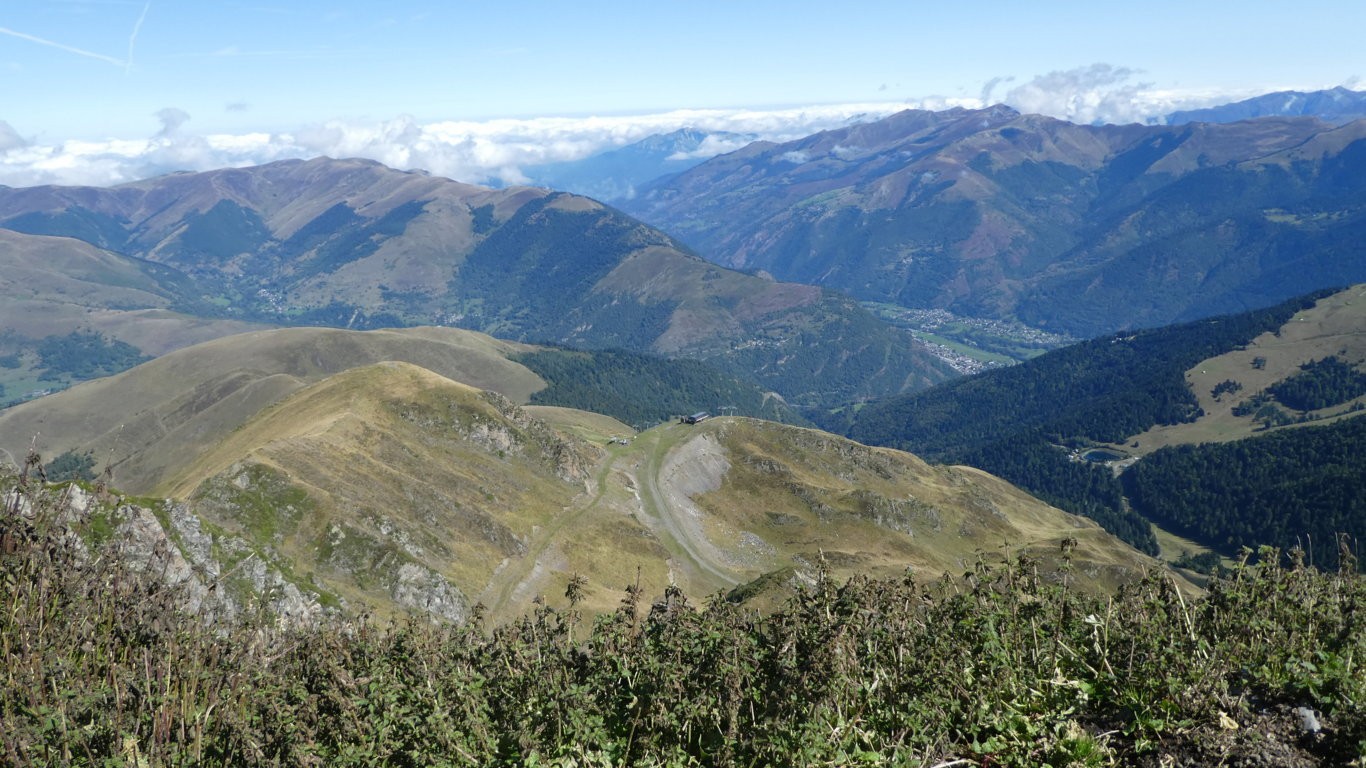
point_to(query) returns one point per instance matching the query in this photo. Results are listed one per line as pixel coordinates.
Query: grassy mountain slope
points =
(350, 243)
(1335, 327)
(790, 496)
(153, 418)
(388, 472)
(1079, 229)
(1292, 488)
(388, 486)
(1105, 389)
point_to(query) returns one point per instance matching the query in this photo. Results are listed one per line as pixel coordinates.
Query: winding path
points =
(672, 516)
(664, 509)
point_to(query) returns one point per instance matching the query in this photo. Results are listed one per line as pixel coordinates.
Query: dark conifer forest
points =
(1295, 487)
(1020, 422)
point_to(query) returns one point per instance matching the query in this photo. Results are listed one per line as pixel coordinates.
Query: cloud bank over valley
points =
(496, 152)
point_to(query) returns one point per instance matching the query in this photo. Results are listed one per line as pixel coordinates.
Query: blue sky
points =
(101, 91)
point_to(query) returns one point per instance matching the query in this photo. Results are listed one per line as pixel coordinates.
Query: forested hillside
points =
(353, 244)
(1018, 422)
(1320, 384)
(643, 390)
(1295, 487)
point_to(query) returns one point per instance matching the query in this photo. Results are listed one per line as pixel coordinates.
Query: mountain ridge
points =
(1337, 105)
(996, 214)
(149, 419)
(384, 485)
(354, 244)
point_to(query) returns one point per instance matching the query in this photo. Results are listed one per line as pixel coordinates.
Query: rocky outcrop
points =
(216, 575)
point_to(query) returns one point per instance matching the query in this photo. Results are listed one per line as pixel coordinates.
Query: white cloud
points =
(1100, 92)
(491, 151)
(714, 145)
(171, 119)
(1104, 93)
(497, 151)
(796, 156)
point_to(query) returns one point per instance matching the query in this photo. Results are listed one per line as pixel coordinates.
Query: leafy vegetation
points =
(1001, 667)
(642, 390)
(1207, 563)
(1227, 386)
(1320, 384)
(1031, 461)
(1264, 410)
(1299, 486)
(85, 355)
(1015, 422)
(834, 353)
(1104, 389)
(81, 223)
(221, 233)
(531, 274)
(70, 465)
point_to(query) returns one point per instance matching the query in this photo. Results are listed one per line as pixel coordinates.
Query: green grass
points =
(962, 348)
(20, 383)
(1335, 326)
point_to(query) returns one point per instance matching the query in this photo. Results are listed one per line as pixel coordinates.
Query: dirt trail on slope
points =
(653, 480)
(669, 476)
(516, 581)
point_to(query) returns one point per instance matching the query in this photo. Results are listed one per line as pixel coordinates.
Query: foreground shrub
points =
(999, 667)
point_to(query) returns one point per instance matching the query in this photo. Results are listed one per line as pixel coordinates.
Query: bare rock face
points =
(422, 589)
(571, 459)
(145, 546)
(220, 574)
(217, 576)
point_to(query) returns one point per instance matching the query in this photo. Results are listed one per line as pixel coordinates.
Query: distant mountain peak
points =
(1334, 105)
(615, 174)
(353, 244)
(995, 214)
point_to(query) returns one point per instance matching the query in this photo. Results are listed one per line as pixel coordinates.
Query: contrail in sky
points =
(133, 38)
(67, 48)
